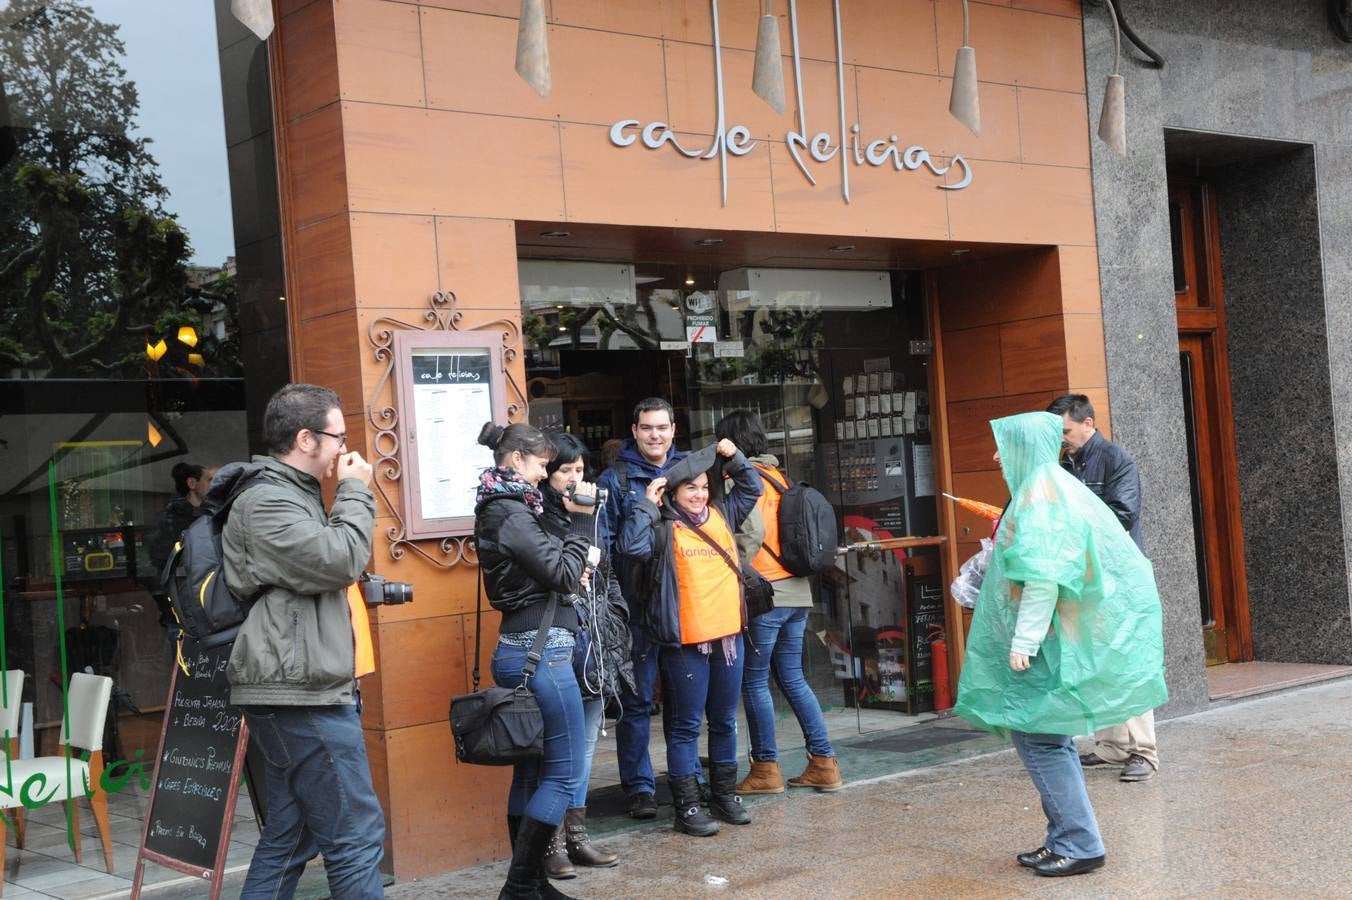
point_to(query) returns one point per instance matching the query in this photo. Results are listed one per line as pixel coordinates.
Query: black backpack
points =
(807, 529)
(207, 610)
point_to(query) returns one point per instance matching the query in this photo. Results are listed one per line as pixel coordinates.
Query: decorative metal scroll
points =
(383, 413)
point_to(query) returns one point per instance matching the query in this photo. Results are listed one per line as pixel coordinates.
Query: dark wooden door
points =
(1208, 421)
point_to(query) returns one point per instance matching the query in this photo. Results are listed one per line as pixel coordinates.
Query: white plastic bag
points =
(967, 585)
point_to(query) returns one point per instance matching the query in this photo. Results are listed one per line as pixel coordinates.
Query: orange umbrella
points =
(986, 510)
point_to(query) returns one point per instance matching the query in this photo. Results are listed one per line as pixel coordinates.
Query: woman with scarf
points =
(528, 572)
(601, 660)
(1066, 638)
(685, 538)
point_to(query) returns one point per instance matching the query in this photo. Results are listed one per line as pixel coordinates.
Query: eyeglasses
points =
(340, 438)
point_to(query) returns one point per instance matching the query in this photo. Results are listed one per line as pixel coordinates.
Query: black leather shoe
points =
(643, 805)
(1033, 857)
(1055, 866)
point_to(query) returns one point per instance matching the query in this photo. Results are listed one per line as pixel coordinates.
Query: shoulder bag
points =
(501, 726)
(757, 592)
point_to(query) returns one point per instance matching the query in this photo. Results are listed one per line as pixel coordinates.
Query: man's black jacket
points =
(1110, 472)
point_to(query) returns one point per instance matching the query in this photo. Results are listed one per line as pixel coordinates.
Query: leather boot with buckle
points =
(764, 778)
(822, 773)
(724, 802)
(690, 818)
(580, 849)
(556, 860)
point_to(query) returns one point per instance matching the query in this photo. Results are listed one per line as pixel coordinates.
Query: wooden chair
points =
(89, 696)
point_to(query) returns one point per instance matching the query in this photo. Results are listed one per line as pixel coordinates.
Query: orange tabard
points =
(363, 653)
(711, 594)
(768, 505)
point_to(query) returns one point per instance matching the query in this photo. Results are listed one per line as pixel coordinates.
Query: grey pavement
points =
(1252, 800)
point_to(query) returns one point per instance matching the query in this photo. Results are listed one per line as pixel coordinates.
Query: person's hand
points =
(578, 509)
(585, 580)
(351, 465)
(584, 489)
(726, 448)
(1018, 661)
(655, 489)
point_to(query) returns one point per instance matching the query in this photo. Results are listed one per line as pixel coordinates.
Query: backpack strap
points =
(621, 469)
(774, 483)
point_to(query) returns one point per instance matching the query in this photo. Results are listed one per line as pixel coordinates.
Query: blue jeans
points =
(592, 710)
(1054, 765)
(632, 731)
(320, 800)
(542, 789)
(777, 637)
(698, 684)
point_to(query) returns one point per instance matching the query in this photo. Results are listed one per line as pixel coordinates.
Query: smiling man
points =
(647, 455)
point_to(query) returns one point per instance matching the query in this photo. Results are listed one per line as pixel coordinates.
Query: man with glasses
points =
(293, 666)
(643, 457)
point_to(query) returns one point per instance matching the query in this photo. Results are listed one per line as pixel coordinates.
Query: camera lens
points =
(397, 592)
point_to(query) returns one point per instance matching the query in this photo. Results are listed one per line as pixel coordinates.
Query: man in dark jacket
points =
(1110, 472)
(292, 668)
(646, 456)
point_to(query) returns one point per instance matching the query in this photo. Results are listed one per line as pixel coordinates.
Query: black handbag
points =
(757, 592)
(501, 726)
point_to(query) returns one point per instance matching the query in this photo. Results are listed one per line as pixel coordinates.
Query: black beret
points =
(692, 466)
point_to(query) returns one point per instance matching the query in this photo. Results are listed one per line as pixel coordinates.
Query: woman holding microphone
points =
(527, 572)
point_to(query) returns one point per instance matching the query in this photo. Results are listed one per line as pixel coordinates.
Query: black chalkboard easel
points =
(197, 772)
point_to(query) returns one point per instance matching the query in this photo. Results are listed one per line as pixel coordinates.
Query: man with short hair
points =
(648, 454)
(1110, 472)
(293, 667)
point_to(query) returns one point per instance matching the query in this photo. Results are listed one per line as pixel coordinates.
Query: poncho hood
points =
(1025, 442)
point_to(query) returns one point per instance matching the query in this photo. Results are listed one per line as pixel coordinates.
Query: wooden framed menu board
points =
(198, 770)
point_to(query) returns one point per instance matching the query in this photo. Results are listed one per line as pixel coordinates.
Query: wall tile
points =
(379, 52)
(915, 108)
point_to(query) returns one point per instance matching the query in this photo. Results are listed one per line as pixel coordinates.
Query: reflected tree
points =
(92, 266)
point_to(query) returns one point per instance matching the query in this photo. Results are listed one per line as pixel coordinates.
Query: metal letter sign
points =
(737, 139)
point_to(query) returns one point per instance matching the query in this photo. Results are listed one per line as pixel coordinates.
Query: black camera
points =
(586, 500)
(375, 590)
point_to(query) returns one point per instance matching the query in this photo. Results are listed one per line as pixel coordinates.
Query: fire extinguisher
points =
(943, 694)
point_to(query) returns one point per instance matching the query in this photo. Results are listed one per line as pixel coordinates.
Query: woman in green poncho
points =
(1066, 637)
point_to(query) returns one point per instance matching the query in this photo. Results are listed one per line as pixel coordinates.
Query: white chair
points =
(88, 703)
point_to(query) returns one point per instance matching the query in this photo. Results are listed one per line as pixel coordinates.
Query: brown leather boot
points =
(557, 864)
(822, 773)
(764, 778)
(580, 849)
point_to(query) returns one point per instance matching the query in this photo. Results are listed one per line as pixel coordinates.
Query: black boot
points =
(725, 804)
(690, 819)
(526, 872)
(513, 826)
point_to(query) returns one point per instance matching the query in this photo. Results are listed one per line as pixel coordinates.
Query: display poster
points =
(452, 399)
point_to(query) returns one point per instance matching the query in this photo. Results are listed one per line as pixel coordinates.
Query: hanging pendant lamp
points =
(1112, 128)
(532, 47)
(767, 78)
(964, 104)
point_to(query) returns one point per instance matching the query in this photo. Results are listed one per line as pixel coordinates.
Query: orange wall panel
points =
(476, 259)
(972, 363)
(1024, 204)
(1017, 286)
(1016, 46)
(379, 52)
(915, 108)
(423, 662)
(1033, 355)
(321, 266)
(394, 259)
(1079, 280)
(314, 148)
(1085, 360)
(1052, 127)
(599, 76)
(309, 59)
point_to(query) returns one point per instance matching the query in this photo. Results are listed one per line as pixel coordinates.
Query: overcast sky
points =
(171, 56)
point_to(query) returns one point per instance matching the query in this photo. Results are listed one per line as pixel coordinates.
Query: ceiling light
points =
(554, 235)
(840, 248)
(563, 328)
(708, 242)
(689, 280)
(961, 251)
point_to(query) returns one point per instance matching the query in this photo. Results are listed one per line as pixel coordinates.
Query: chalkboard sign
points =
(197, 771)
(925, 607)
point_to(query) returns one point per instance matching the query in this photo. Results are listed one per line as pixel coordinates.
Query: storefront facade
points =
(872, 277)
(414, 162)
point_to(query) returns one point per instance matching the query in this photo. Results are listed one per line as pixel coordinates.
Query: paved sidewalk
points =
(1252, 800)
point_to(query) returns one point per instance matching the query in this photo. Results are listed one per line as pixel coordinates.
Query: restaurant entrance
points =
(836, 364)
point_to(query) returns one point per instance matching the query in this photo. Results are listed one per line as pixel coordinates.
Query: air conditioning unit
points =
(806, 289)
(566, 282)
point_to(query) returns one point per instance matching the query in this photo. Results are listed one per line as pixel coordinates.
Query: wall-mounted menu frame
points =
(447, 385)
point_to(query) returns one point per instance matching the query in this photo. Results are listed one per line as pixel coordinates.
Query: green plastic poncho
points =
(1101, 660)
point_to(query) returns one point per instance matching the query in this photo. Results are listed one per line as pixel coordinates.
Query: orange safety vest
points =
(711, 592)
(363, 653)
(768, 505)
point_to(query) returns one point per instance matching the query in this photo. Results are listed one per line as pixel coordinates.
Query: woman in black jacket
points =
(601, 661)
(527, 572)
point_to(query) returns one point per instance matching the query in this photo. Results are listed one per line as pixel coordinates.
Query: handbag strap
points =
(537, 649)
(478, 622)
(712, 543)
